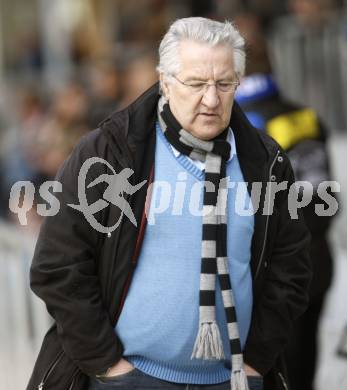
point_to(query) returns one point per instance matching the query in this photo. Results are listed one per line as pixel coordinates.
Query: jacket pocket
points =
(276, 378)
(49, 371)
(54, 370)
(61, 374)
(283, 381)
(75, 381)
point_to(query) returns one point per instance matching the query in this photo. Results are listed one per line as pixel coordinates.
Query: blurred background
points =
(67, 64)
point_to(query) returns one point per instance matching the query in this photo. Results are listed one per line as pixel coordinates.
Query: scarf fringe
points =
(239, 380)
(208, 343)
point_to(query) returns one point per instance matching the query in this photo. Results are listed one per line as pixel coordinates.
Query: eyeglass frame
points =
(205, 85)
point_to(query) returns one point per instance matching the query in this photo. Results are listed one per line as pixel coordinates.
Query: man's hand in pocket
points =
(251, 371)
(121, 367)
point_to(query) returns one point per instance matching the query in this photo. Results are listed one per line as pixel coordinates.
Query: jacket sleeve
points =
(284, 293)
(64, 270)
(310, 163)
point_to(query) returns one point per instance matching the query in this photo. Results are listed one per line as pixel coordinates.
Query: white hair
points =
(200, 30)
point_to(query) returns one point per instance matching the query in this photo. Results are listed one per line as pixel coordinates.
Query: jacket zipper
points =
(49, 371)
(283, 381)
(137, 245)
(109, 280)
(267, 221)
(73, 381)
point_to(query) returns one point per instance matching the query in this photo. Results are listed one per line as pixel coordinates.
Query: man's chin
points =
(207, 133)
(206, 128)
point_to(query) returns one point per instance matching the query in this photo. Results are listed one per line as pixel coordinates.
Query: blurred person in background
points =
(303, 136)
(55, 141)
(43, 137)
(65, 122)
(19, 152)
(27, 55)
(70, 104)
(3, 194)
(311, 13)
(138, 74)
(104, 89)
(183, 319)
(144, 21)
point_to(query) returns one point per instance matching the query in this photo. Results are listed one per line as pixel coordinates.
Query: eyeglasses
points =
(198, 86)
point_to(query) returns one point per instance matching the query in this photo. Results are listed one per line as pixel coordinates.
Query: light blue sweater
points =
(159, 321)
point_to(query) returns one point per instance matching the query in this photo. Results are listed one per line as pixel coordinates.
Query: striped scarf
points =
(214, 260)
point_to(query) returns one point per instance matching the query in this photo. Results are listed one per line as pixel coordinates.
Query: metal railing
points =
(310, 65)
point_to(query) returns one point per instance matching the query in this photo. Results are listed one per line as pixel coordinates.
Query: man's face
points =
(204, 114)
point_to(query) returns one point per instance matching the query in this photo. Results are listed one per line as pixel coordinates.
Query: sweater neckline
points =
(181, 158)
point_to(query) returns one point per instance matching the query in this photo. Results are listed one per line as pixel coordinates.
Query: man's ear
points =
(165, 86)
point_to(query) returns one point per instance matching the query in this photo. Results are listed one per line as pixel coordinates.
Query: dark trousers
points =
(136, 379)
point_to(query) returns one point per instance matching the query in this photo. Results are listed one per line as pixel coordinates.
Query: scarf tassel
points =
(208, 343)
(239, 380)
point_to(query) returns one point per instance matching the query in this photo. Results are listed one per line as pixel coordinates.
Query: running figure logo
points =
(118, 184)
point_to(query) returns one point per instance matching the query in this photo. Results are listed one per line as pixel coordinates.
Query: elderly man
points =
(190, 299)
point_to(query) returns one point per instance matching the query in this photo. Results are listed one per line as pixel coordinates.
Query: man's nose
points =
(211, 97)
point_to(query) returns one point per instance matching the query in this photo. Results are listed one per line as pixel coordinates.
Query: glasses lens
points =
(226, 87)
(197, 87)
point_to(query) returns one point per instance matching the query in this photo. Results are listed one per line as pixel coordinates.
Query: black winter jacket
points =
(83, 275)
